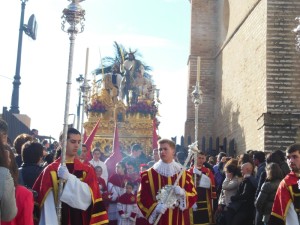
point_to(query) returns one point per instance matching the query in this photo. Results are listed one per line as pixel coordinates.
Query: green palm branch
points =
(120, 54)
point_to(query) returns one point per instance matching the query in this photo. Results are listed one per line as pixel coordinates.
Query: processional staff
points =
(196, 98)
(73, 15)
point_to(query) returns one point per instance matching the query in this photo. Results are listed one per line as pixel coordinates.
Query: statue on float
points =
(124, 83)
(134, 84)
(112, 82)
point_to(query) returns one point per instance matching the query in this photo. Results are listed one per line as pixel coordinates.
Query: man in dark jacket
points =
(259, 160)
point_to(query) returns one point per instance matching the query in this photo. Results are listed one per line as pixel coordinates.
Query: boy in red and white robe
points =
(127, 207)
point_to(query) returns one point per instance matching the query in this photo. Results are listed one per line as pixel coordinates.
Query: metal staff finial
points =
(74, 16)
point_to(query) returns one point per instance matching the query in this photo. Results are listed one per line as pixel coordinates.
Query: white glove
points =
(194, 207)
(132, 219)
(204, 181)
(161, 208)
(63, 172)
(124, 216)
(196, 171)
(114, 196)
(179, 191)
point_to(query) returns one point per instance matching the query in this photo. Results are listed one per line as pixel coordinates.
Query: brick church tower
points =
(249, 74)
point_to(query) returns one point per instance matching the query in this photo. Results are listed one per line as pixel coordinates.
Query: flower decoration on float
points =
(143, 107)
(96, 106)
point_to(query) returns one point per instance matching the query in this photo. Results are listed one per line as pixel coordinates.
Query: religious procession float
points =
(123, 94)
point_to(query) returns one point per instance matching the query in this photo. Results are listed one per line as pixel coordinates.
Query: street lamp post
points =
(14, 108)
(79, 79)
(297, 32)
(85, 88)
(297, 39)
(74, 16)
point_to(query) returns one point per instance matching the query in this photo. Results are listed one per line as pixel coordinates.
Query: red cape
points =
(287, 189)
(127, 199)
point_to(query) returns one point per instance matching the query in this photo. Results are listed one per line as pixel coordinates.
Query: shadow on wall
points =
(226, 128)
(228, 125)
(223, 21)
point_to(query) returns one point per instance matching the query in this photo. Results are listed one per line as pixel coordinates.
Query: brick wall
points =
(283, 82)
(240, 80)
(249, 72)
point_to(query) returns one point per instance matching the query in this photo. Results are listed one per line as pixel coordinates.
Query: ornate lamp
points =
(74, 16)
(297, 32)
(85, 90)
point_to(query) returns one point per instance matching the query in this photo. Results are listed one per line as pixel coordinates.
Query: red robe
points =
(102, 185)
(103, 191)
(48, 180)
(127, 199)
(204, 201)
(287, 193)
(151, 183)
(118, 180)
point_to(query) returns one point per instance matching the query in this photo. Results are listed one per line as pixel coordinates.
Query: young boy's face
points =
(129, 189)
(130, 169)
(98, 172)
(119, 169)
(96, 155)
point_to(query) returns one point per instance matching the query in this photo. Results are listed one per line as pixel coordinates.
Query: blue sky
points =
(159, 29)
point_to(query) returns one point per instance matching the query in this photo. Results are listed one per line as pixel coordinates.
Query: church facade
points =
(249, 74)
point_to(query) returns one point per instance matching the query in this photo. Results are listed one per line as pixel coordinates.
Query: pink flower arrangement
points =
(142, 107)
(97, 106)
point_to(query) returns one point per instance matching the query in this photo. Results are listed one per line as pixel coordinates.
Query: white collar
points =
(167, 169)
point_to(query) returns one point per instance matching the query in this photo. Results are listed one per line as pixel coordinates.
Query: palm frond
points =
(120, 54)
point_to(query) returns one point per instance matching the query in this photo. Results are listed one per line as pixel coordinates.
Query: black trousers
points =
(244, 217)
